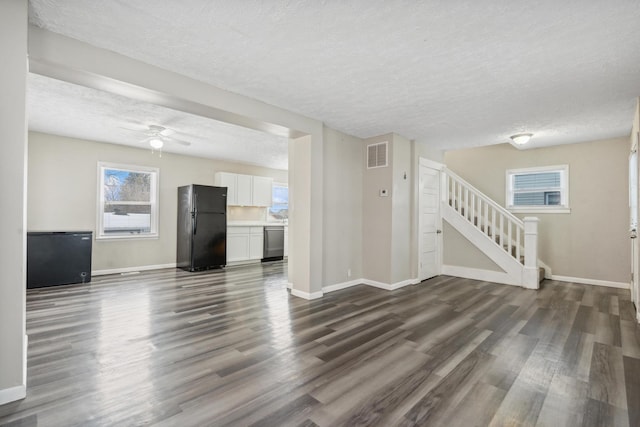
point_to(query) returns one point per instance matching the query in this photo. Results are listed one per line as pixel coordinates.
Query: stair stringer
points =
(513, 270)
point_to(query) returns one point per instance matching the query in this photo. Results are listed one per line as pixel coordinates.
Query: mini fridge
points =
(58, 258)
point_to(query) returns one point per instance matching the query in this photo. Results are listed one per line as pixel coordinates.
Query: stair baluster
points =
(496, 223)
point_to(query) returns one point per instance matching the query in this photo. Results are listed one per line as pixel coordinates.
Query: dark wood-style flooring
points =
(233, 347)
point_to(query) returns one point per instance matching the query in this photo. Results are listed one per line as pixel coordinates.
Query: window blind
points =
(537, 181)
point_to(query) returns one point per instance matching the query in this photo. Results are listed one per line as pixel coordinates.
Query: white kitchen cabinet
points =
(244, 243)
(229, 180)
(262, 187)
(245, 190)
(237, 247)
(256, 240)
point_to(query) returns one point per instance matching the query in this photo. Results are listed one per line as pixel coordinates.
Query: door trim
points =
(424, 162)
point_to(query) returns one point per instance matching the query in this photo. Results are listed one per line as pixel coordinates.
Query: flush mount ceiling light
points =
(521, 138)
(156, 143)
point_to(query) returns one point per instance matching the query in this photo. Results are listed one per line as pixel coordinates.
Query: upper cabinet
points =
(245, 190)
(262, 191)
(229, 180)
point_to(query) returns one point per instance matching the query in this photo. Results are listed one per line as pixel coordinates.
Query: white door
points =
(430, 221)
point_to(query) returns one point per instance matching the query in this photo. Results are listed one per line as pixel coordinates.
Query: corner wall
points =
(13, 187)
(342, 207)
(634, 141)
(377, 215)
(592, 241)
(387, 221)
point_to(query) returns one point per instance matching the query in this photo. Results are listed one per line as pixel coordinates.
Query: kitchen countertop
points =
(253, 223)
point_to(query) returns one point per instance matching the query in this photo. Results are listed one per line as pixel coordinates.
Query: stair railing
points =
(501, 226)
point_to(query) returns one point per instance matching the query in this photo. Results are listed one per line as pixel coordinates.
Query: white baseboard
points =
(24, 360)
(244, 262)
(375, 284)
(619, 285)
(132, 269)
(478, 274)
(390, 286)
(18, 392)
(13, 393)
(306, 295)
(343, 285)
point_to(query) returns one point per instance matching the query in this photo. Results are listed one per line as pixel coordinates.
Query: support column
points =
(305, 216)
(13, 187)
(530, 274)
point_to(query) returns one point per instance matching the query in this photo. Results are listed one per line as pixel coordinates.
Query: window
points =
(128, 201)
(538, 190)
(279, 209)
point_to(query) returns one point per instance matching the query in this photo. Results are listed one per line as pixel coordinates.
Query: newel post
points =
(530, 272)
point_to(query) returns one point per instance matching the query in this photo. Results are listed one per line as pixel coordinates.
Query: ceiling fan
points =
(157, 136)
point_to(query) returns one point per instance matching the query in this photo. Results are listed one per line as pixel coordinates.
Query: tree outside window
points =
(279, 209)
(128, 201)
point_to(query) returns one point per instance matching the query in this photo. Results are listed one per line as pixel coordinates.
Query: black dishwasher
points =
(58, 258)
(273, 249)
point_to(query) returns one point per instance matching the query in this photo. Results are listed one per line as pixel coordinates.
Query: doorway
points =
(430, 220)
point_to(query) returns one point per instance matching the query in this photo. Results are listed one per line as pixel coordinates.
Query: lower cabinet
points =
(244, 243)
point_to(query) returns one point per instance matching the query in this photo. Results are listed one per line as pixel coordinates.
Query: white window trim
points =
(155, 190)
(564, 206)
(273, 221)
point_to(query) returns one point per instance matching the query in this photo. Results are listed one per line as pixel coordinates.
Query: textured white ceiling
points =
(447, 73)
(66, 109)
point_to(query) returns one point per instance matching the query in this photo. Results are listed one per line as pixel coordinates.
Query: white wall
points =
(13, 186)
(635, 244)
(423, 150)
(592, 241)
(458, 251)
(377, 215)
(63, 193)
(388, 223)
(342, 207)
(402, 208)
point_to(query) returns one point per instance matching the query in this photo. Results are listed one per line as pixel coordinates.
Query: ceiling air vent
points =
(377, 155)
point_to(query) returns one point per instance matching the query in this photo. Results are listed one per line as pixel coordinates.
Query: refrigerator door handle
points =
(195, 212)
(195, 223)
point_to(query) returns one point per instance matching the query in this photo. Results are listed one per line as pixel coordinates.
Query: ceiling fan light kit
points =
(158, 136)
(156, 143)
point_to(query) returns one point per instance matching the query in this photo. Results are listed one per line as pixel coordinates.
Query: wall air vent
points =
(377, 155)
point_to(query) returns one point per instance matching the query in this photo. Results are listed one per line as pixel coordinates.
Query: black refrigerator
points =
(202, 227)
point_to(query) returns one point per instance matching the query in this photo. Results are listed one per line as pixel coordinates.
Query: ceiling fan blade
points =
(179, 141)
(131, 129)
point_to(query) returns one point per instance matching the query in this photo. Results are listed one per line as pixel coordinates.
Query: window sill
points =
(539, 210)
(128, 237)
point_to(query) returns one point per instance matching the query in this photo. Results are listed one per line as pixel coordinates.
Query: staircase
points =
(508, 241)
